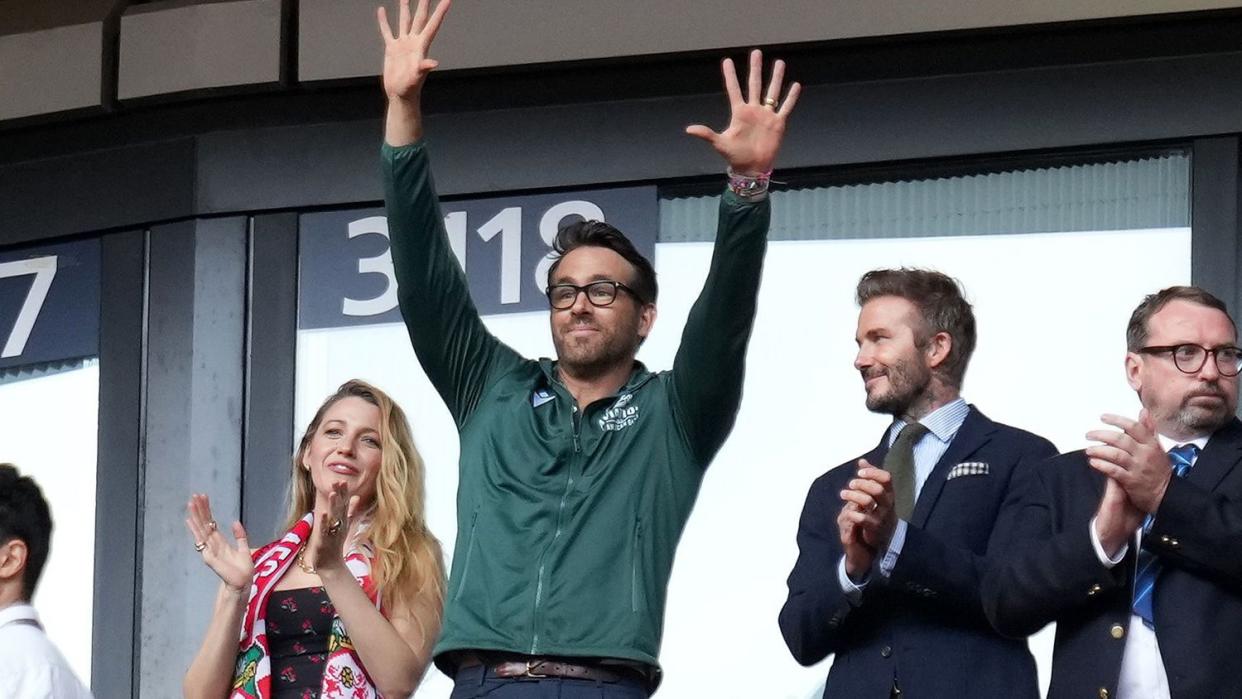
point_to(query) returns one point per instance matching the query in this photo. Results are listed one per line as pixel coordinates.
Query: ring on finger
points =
(335, 526)
(770, 103)
(211, 525)
(199, 546)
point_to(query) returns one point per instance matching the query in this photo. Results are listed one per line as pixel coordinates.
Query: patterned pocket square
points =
(968, 468)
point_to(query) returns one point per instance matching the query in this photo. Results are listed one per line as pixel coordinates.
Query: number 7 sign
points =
(44, 270)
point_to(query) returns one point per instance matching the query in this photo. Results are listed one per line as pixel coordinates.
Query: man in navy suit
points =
(1134, 546)
(891, 558)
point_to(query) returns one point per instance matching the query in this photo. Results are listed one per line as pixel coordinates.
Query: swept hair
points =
(409, 562)
(582, 234)
(941, 306)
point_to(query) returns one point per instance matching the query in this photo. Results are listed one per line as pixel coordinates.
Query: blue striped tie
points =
(1181, 458)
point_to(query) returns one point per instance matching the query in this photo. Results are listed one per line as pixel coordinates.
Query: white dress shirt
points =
(942, 425)
(1142, 668)
(30, 666)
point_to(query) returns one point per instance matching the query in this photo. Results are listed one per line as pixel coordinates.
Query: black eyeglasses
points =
(601, 293)
(1189, 359)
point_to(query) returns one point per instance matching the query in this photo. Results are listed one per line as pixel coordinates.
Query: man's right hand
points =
(406, 65)
(857, 515)
(1116, 519)
(858, 556)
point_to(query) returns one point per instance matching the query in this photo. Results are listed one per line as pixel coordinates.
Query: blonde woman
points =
(348, 602)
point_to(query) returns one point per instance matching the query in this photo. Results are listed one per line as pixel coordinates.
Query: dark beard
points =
(609, 356)
(906, 386)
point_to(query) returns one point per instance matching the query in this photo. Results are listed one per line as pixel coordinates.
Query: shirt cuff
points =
(1099, 548)
(889, 561)
(853, 591)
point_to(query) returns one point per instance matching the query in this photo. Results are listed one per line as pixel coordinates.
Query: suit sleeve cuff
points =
(853, 591)
(1099, 548)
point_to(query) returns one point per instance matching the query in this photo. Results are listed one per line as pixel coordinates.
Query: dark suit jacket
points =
(924, 625)
(1049, 571)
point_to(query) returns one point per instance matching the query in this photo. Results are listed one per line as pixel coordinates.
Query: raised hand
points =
(230, 561)
(757, 122)
(325, 552)
(406, 63)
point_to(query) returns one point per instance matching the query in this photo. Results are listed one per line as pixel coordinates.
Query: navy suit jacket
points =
(924, 625)
(1049, 571)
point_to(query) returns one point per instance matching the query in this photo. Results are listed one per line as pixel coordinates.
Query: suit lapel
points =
(975, 431)
(1222, 454)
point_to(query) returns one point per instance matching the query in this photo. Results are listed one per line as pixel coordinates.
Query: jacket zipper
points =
(560, 512)
(465, 569)
(638, 540)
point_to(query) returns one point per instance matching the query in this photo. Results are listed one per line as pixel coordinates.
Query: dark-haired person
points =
(30, 665)
(1134, 545)
(892, 546)
(577, 474)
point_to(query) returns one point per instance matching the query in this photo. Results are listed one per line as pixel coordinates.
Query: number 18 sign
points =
(502, 243)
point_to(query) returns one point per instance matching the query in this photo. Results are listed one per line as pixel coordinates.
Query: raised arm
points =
(394, 646)
(210, 674)
(454, 347)
(707, 372)
(1042, 563)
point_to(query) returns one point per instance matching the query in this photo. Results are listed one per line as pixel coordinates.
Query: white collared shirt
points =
(30, 666)
(1142, 668)
(942, 426)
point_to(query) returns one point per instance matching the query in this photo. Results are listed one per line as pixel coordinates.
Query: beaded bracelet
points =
(749, 186)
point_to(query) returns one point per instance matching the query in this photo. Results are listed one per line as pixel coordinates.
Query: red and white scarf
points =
(344, 677)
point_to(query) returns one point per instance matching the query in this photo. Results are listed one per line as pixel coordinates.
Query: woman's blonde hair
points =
(409, 562)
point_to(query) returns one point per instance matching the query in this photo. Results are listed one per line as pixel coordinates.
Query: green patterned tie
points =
(900, 463)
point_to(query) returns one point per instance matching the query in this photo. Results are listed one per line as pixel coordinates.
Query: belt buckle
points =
(530, 664)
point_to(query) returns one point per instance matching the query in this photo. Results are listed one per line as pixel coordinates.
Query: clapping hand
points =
(325, 552)
(230, 561)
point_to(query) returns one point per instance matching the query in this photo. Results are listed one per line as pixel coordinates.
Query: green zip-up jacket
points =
(567, 522)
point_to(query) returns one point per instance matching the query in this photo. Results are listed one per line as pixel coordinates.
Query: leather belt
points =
(535, 667)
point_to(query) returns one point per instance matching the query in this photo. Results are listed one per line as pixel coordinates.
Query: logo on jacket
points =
(620, 416)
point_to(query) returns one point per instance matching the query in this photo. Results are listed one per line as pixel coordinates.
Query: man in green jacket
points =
(577, 475)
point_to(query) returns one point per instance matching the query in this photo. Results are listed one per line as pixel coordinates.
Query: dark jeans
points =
(475, 682)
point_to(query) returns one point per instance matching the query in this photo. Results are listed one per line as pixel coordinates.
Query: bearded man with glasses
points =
(577, 474)
(1134, 545)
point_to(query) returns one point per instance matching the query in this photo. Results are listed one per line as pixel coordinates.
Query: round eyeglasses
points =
(1190, 358)
(601, 293)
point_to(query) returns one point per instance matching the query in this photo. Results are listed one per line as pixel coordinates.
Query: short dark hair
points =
(598, 234)
(1137, 331)
(24, 515)
(941, 304)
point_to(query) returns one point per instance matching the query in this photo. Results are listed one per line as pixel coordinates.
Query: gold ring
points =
(199, 546)
(334, 527)
(769, 103)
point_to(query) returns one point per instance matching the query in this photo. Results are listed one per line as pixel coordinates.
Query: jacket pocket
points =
(465, 568)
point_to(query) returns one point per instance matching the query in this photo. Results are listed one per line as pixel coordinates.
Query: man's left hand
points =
(757, 122)
(871, 492)
(1133, 457)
